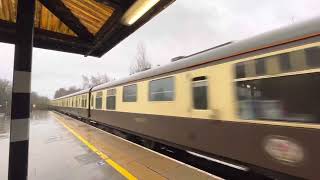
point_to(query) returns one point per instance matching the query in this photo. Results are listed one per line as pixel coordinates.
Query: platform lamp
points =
(137, 10)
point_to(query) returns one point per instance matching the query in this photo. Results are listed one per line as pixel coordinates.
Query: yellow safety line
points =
(113, 164)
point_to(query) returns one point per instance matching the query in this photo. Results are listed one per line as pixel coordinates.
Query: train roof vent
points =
(215, 47)
(177, 58)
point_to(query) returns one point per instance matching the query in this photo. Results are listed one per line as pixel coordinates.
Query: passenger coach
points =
(254, 102)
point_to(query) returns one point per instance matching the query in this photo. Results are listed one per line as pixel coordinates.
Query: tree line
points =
(87, 82)
(37, 101)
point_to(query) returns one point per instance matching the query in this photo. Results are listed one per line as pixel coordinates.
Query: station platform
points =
(64, 148)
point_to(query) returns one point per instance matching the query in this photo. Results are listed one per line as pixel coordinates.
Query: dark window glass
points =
(111, 102)
(288, 98)
(84, 101)
(91, 101)
(240, 70)
(111, 99)
(161, 90)
(99, 100)
(260, 66)
(284, 62)
(98, 103)
(313, 56)
(130, 93)
(200, 93)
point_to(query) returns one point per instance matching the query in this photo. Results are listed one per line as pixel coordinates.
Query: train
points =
(254, 102)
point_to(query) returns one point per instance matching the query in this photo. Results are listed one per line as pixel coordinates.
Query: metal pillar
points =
(20, 108)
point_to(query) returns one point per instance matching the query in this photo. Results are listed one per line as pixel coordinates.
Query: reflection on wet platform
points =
(54, 152)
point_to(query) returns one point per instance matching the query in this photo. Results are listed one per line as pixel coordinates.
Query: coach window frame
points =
(195, 81)
(99, 95)
(74, 101)
(285, 62)
(292, 73)
(79, 101)
(311, 57)
(136, 93)
(83, 101)
(173, 89)
(112, 92)
(92, 99)
(261, 66)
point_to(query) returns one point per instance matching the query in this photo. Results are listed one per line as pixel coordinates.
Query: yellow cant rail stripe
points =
(113, 164)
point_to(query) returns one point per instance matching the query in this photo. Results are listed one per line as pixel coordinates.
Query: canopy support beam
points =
(20, 107)
(67, 17)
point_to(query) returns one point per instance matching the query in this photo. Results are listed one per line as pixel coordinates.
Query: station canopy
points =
(87, 27)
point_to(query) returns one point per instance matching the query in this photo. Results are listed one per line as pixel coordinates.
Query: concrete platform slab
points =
(55, 154)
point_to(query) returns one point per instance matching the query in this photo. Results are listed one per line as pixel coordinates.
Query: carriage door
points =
(200, 96)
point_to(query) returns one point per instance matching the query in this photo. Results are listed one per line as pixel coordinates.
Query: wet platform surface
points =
(64, 148)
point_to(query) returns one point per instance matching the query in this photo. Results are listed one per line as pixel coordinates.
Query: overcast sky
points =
(187, 26)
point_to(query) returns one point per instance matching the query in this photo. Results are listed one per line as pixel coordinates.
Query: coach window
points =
(200, 92)
(129, 93)
(91, 101)
(84, 101)
(285, 98)
(240, 70)
(78, 101)
(260, 66)
(111, 99)
(74, 102)
(161, 89)
(99, 100)
(285, 62)
(313, 56)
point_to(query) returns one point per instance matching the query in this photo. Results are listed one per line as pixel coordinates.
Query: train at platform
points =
(253, 102)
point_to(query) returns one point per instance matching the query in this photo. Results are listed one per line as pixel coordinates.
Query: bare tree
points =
(60, 92)
(39, 102)
(85, 82)
(141, 62)
(63, 91)
(88, 82)
(5, 97)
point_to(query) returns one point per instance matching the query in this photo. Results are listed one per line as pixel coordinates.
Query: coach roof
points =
(290, 33)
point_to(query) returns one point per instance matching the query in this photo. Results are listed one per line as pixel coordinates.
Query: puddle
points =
(87, 158)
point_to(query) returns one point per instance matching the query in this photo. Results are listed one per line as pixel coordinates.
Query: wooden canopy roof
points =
(88, 27)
